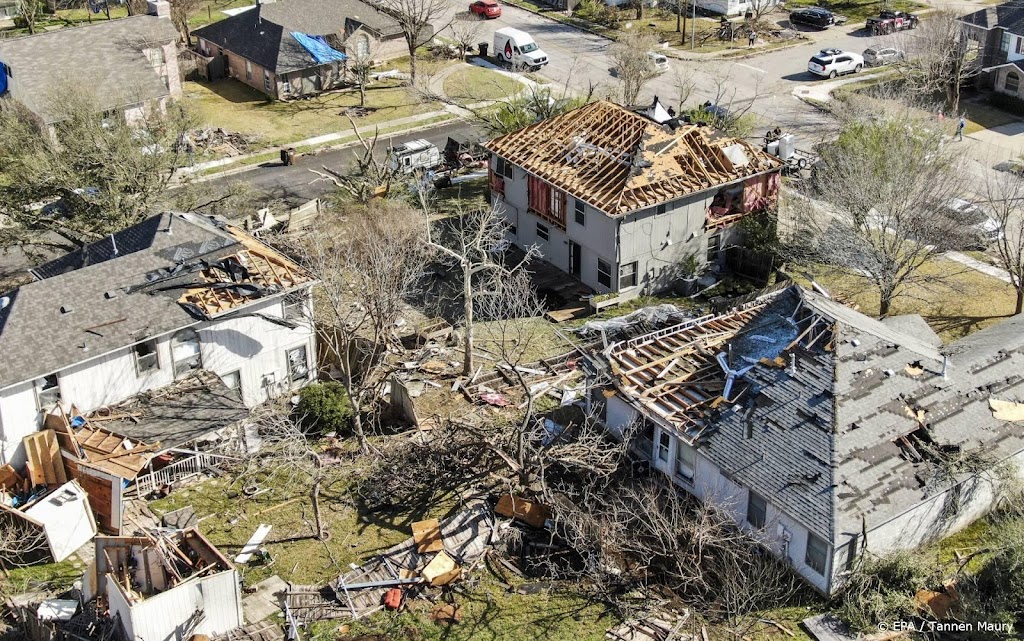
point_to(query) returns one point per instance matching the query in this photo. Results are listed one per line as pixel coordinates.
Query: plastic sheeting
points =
(318, 48)
(650, 317)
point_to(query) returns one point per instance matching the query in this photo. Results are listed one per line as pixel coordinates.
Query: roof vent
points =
(66, 309)
(111, 294)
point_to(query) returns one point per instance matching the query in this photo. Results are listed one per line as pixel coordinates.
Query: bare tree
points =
(28, 12)
(181, 11)
(417, 19)
(883, 186)
(633, 65)
(728, 110)
(759, 8)
(372, 175)
(940, 57)
(467, 28)
(21, 542)
(1005, 196)
(367, 260)
(360, 68)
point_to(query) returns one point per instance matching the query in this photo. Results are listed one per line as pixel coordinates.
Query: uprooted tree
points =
(88, 176)
(878, 203)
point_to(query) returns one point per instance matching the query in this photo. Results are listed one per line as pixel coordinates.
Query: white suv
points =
(829, 63)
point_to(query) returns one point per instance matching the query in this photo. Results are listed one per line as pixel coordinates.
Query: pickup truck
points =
(891, 21)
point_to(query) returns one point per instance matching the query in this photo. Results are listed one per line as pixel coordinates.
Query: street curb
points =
(544, 14)
(241, 170)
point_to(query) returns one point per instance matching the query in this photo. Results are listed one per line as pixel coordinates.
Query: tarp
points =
(4, 72)
(318, 48)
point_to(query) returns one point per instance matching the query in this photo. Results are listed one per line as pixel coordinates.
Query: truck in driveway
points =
(891, 21)
(517, 49)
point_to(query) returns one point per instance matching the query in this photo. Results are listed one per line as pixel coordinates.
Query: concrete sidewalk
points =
(977, 265)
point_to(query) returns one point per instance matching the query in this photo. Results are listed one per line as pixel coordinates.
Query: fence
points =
(198, 463)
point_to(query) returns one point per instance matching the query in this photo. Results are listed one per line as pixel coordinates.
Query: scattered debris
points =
(63, 514)
(1006, 410)
(528, 512)
(253, 544)
(446, 613)
(660, 627)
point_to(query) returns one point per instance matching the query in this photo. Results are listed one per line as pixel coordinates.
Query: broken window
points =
(757, 511)
(686, 461)
(146, 359)
(295, 306)
(185, 353)
(664, 446)
(298, 365)
(817, 552)
(627, 275)
(645, 440)
(545, 201)
(714, 246)
(604, 273)
(48, 391)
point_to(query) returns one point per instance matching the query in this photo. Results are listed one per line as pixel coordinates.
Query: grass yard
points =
(49, 576)
(236, 107)
(981, 116)
(476, 83)
(966, 302)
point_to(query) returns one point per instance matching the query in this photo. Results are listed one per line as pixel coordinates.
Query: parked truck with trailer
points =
(889, 21)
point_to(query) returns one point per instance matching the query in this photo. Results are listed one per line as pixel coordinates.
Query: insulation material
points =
(1006, 410)
(66, 519)
(45, 466)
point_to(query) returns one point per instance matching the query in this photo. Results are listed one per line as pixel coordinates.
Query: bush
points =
(324, 407)
(1011, 104)
(883, 589)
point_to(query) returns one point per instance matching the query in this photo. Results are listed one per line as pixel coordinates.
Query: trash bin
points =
(482, 47)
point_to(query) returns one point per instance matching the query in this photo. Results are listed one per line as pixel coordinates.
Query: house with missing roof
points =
(129, 64)
(175, 325)
(996, 35)
(293, 48)
(621, 199)
(823, 432)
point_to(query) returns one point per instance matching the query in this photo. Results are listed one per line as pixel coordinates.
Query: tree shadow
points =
(958, 326)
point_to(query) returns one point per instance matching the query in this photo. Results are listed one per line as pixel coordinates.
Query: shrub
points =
(324, 407)
(883, 589)
(1012, 104)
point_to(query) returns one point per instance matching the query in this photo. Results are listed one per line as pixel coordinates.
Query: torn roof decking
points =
(620, 161)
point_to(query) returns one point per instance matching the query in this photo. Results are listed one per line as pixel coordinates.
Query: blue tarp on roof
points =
(318, 47)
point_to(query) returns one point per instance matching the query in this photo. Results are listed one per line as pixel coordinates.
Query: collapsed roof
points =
(620, 161)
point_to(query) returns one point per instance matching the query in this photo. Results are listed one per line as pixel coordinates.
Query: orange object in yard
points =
(393, 599)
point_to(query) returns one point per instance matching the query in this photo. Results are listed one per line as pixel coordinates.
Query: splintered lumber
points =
(253, 544)
(526, 511)
(427, 536)
(441, 570)
(45, 465)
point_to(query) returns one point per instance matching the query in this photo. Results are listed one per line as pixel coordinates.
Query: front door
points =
(575, 259)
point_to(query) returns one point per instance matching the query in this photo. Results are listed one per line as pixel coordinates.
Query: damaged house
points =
(822, 431)
(624, 201)
(173, 326)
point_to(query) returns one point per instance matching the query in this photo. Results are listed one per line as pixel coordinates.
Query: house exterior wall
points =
(783, 534)
(249, 73)
(999, 77)
(214, 601)
(254, 348)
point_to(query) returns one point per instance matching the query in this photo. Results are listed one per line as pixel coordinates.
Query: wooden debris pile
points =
(662, 626)
(558, 377)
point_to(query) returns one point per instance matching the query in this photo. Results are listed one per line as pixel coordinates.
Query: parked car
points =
(486, 8)
(879, 56)
(659, 62)
(979, 229)
(815, 17)
(891, 21)
(829, 63)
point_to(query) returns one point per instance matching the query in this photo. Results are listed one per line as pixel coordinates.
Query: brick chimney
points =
(159, 8)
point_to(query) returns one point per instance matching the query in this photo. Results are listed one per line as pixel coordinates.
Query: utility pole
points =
(679, 14)
(693, 24)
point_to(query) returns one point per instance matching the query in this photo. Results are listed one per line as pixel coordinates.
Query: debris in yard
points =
(446, 613)
(528, 512)
(220, 140)
(441, 570)
(427, 535)
(660, 627)
(393, 598)
(1006, 410)
(62, 514)
(253, 545)
(495, 399)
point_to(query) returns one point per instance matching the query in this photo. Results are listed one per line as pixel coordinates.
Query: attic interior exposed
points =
(145, 566)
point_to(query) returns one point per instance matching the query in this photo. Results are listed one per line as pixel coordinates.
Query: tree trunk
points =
(412, 60)
(639, 9)
(884, 303)
(314, 496)
(682, 39)
(467, 307)
(362, 92)
(1020, 302)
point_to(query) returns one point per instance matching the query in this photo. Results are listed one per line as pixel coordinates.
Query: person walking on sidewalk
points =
(960, 128)
(751, 38)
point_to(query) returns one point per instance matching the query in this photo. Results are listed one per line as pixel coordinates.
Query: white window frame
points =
(248, 71)
(686, 461)
(664, 447)
(543, 232)
(580, 213)
(48, 395)
(810, 561)
(183, 366)
(645, 439)
(145, 363)
(604, 268)
(627, 279)
(295, 380)
(235, 376)
(267, 85)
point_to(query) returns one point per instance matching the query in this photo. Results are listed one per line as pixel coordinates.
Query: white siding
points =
(18, 419)
(117, 604)
(161, 617)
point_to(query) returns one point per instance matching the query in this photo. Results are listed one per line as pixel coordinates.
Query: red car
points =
(486, 8)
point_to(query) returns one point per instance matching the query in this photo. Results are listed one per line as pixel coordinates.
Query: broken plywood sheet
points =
(1006, 410)
(526, 511)
(427, 536)
(9, 478)
(45, 466)
(441, 570)
(253, 544)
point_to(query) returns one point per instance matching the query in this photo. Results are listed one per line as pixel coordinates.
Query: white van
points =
(518, 49)
(415, 155)
(658, 62)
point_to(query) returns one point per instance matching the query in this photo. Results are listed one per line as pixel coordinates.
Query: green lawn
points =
(969, 300)
(476, 83)
(236, 107)
(984, 116)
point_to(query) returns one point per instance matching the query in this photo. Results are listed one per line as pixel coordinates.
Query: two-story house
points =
(997, 34)
(129, 65)
(623, 200)
(144, 308)
(821, 431)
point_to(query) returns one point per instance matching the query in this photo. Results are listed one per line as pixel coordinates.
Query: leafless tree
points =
(371, 177)
(367, 260)
(759, 8)
(418, 20)
(466, 28)
(940, 56)
(1005, 196)
(683, 80)
(360, 68)
(21, 542)
(633, 65)
(181, 11)
(28, 12)
(732, 112)
(878, 203)
(471, 243)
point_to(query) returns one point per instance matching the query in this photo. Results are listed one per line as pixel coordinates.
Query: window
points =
(645, 440)
(363, 46)
(1004, 42)
(627, 275)
(248, 70)
(714, 246)
(512, 230)
(48, 391)
(1012, 83)
(298, 366)
(1018, 45)
(231, 380)
(664, 446)
(286, 85)
(604, 273)
(266, 81)
(817, 551)
(757, 510)
(851, 553)
(294, 305)
(542, 231)
(156, 56)
(686, 461)
(545, 202)
(185, 353)
(502, 167)
(146, 359)
(581, 216)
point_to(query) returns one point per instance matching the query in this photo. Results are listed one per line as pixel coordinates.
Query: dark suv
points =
(813, 17)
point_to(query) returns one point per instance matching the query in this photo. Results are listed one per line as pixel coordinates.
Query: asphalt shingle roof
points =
(105, 56)
(1009, 15)
(263, 34)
